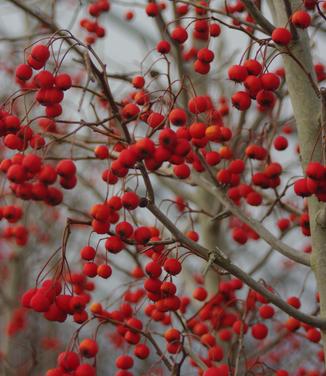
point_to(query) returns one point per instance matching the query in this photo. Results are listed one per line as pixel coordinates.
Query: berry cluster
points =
(92, 26)
(314, 183)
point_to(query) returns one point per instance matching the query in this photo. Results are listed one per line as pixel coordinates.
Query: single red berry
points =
(201, 67)
(24, 72)
(114, 244)
(301, 19)
(313, 335)
(253, 67)
(197, 105)
(130, 111)
(163, 47)
(85, 370)
(172, 266)
(179, 34)
(141, 351)
(152, 9)
(259, 331)
(241, 100)
(205, 55)
(239, 235)
(270, 81)
(200, 294)
(266, 311)
(214, 30)
(280, 143)
(44, 79)
(282, 36)
(88, 348)
(40, 53)
(124, 362)
(237, 73)
(63, 81)
(130, 200)
(172, 335)
(104, 271)
(88, 253)
(142, 235)
(301, 188)
(68, 360)
(294, 302)
(178, 117)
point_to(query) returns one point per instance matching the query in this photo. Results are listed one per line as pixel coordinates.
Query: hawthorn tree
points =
(167, 217)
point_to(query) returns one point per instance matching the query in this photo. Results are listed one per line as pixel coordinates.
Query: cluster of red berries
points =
(163, 293)
(202, 30)
(31, 179)
(17, 136)
(259, 86)
(241, 232)
(314, 183)
(107, 213)
(49, 88)
(13, 213)
(55, 306)
(68, 362)
(94, 28)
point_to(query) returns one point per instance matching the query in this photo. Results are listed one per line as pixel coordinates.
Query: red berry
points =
(280, 143)
(141, 351)
(201, 67)
(124, 362)
(68, 360)
(63, 81)
(178, 117)
(172, 266)
(313, 335)
(294, 302)
(301, 19)
(241, 100)
(88, 348)
(253, 67)
(87, 253)
(266, 311)
(104, 271)
(301, 188)
(215, 30)
(163, 47)
(182, 171)
(130, 200)
(200, 294)
(239, 235)
(237, 73)
(205, 55)
(44, 79)
(282, 36)
(270, 81)
(142, 235)
(179, 34)
(259, 331)
(172, 335)
(85, 370)
(24, 72)
(114, 244)
(40, 53)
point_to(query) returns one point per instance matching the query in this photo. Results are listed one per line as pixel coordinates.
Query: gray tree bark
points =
(307, 110)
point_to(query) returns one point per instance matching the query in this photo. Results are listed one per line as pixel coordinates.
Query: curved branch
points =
(258, 16)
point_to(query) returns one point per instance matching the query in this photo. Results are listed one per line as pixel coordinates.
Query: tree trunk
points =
(307, 109)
